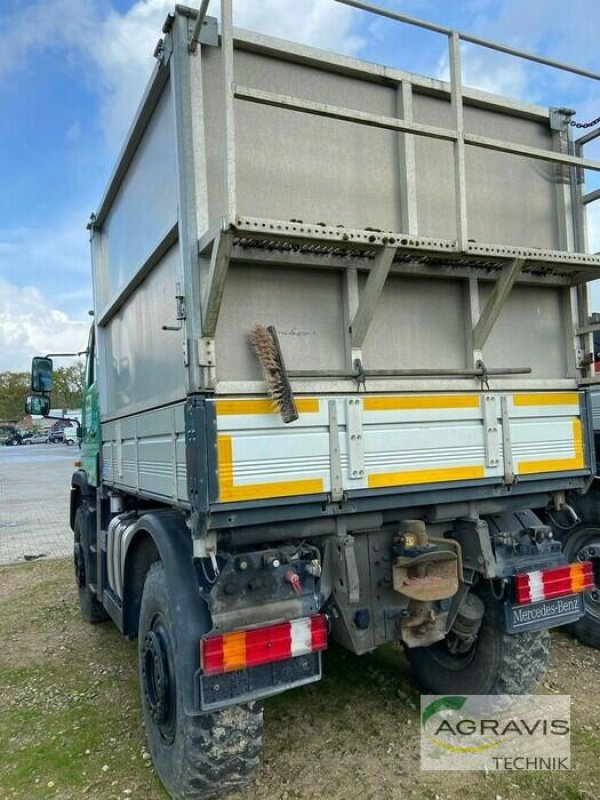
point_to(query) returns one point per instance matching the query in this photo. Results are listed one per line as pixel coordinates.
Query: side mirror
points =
(37, 404)
(41, 374)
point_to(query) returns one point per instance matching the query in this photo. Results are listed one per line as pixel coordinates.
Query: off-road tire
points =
(498, 662)
(92, 610)
(196, 756)
(582, 542)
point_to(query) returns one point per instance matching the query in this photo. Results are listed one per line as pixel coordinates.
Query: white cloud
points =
(53, 263)
(46, 26)
(57, 251)
(490, 72)
(29, 326)
(115, 49)
(123, 47)
(319, 23)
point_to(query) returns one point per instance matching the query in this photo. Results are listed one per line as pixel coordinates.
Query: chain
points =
(584, 124)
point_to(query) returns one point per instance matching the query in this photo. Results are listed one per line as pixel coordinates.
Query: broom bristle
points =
(266, 346)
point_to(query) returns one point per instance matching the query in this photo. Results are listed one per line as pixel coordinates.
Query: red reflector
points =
(318, 632)
(250, 648)
(268, 644)
(211, 655)
(522, 593)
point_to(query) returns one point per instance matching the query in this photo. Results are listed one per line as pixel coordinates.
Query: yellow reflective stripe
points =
(559, 464)
(379, 480)
(308, 405)
(547, 399)
(228, 492)
(414, 402)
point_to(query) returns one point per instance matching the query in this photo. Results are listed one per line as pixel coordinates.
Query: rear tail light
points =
(557, 582)
(250, 648)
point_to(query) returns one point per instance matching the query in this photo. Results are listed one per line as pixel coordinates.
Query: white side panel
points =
(393, 441)
(146, 453)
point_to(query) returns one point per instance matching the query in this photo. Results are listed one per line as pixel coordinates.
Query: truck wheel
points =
(497, 663)
(584, 545)
(201, 756)
(92, 610)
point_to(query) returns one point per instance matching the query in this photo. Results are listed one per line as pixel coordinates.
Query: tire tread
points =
(218, 752)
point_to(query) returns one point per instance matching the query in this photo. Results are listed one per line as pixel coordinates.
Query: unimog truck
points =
(335, 383)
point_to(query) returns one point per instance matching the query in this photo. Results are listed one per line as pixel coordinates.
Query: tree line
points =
(67, 386)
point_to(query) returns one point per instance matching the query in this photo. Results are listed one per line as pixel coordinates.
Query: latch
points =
(180, 314)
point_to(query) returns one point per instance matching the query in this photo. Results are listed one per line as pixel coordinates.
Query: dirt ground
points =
(70, 723)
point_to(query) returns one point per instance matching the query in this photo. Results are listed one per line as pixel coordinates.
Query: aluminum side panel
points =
(141, 365)
(306, 309)
(144, 209)
(529, 331)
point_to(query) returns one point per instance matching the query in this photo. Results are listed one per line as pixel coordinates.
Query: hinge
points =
(206, 352)
(354, 433)
(490, 430)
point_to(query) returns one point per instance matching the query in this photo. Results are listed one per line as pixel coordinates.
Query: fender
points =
(80, 488)
(171, 543)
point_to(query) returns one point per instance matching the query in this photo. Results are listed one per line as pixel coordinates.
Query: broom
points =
(266, 346)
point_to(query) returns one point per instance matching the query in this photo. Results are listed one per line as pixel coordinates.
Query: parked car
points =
(18, 437)
(54, 437)
(71, 434)
(36, 438)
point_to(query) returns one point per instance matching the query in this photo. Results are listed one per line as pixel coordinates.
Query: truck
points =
(336, 386)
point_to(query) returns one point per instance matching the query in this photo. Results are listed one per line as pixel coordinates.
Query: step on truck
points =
(335, 383)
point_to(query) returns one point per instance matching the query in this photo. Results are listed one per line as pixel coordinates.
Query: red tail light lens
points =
(250, 648)
(557, 582)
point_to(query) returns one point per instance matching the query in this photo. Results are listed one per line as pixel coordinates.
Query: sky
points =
(72, 73)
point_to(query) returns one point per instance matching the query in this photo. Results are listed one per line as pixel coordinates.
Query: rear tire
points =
(200, 756)
(584, 545)
(497, 663)
(91, 609)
